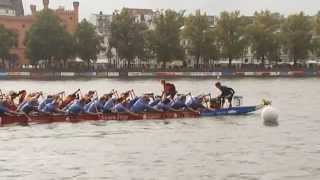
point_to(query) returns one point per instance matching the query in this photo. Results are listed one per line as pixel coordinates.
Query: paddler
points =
(226, 94)
(168, 89)
(5, 111)
(195, 103)
(67, 100)
(77, 107)
(88, 97)
(142, 105)
(30, 103)
(96, 106)
(52, 107)
(179, 102)
(110, 103)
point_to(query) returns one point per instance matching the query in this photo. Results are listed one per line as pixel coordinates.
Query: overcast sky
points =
(213, 7)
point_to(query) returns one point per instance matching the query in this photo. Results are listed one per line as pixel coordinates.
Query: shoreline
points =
(225, 74)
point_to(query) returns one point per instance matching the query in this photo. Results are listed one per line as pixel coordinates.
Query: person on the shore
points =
(168, 89)
(226, 94)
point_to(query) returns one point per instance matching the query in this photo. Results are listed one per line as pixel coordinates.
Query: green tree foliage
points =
(127, 36)
(231, 34)
(201, 37)
(297, 35)
(87, 42)
(8, 39)
(164, 39)
(48, 40)
(264, 35)
(316, 39)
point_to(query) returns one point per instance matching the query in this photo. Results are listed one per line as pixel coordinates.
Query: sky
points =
(212, 7)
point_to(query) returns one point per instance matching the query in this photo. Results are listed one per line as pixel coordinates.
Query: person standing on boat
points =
(168, 89)
(226, 94)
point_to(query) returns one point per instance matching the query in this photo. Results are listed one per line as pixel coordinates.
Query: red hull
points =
(45, 119)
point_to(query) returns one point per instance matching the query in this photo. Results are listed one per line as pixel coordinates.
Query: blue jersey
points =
(162, 106)
(177, 104)
(49, 108)
(194, 103)
(109, 105)
(120, 108)
(94, 106)
(139, 106)
(132, 101)
(27, 107)
(44, 103)
(3, 109)
(155, 102)
(75, 108)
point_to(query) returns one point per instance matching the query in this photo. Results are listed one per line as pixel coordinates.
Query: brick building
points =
(21, 24)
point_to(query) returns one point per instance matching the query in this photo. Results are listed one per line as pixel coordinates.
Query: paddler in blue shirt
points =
(52, 107)
(195, 103)
(108, 106)
(6, 111)
(77, 107)
(30, 104)
(179, 103)
(142, 105)
(48, 100)
(96, 106)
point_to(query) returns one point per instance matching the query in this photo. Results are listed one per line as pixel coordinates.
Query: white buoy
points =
(270, 116)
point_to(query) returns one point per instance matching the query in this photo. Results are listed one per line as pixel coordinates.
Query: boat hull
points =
(46, 119)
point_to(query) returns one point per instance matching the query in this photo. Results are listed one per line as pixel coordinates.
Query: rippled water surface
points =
(239, 147)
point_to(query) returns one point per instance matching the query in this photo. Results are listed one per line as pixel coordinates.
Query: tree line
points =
(267, 34)
(49, 43)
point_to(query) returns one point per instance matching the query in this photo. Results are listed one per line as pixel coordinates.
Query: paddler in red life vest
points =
(67, 100)
(168, 89)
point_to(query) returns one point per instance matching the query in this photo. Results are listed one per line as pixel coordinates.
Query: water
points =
(211, 148)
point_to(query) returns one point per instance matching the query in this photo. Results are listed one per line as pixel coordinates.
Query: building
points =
(103, 23)
(11, 8)
(21, 24)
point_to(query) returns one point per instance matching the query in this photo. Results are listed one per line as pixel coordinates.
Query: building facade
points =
(21, 24)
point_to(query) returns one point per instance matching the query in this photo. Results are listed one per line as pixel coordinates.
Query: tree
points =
(316, 39)
(127, 36)
(164, 39)
(200, 36)
(231, 34)
(264, 35)
(48, 40)
(297, 34)
(8, 39)
(87, 42)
